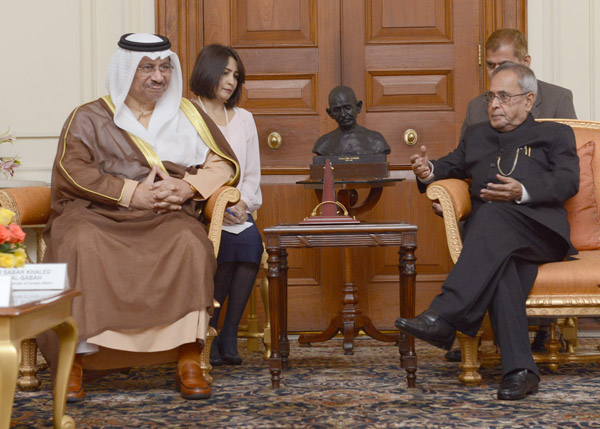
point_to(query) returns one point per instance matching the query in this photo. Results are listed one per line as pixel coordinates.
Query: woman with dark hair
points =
(217, 80)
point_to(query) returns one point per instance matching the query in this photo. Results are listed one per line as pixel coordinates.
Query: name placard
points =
(37, 277)
(5, 291)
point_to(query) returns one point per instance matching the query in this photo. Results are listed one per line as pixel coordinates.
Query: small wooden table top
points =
(26, 320)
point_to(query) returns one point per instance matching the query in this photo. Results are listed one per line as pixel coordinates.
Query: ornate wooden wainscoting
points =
(415, 65)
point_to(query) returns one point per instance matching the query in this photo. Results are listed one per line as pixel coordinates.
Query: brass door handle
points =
(274, 140)
(410, 137)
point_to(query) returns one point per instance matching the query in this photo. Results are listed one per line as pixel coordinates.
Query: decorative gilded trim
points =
(187, 107)
(29, 366)
(574, 123)
(229, 195)
(8, 202)
(565, 311)
(564, 301)
(60, 163)
(211, 334)
(469, 347)
(144, 147)
(437, 192)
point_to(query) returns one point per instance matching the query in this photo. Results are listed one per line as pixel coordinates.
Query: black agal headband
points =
(130, 45)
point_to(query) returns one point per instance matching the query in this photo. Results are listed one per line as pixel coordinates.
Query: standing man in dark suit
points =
(522, 172)
(551, 101)
(508, 44)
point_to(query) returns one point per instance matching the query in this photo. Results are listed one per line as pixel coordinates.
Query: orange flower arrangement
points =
(12, 249)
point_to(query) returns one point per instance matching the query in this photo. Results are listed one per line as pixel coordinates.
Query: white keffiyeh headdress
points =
(169, 132)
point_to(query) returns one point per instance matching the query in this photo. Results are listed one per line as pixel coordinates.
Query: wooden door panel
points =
(419, 90)
(260, 22)
(410, 20)
(294, 94)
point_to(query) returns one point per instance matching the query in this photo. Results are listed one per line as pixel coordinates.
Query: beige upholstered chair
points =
(32, 208)
(564, 290)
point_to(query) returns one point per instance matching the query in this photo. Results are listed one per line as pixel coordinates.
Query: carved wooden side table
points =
(350, 319)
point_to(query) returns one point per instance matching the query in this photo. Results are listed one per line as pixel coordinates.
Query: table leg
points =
(29, 366)
(351, 313)
(9, 368)
(274, 277)
(67, 335)
(408, 274)
(284, 341)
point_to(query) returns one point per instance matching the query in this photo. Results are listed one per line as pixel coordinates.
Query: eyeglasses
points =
(502, 97)
(148, 69)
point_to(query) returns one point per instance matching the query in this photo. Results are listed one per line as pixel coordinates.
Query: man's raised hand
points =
(420, 164)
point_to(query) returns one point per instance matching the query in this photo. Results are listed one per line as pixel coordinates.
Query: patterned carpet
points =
(326, 389)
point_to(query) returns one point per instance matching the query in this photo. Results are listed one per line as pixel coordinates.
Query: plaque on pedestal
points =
(373, 166)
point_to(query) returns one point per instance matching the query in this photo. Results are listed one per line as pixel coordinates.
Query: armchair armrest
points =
(453, 195)
(31, 204)
(214, 212)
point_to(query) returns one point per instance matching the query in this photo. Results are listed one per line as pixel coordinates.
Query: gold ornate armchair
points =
(32, 208)
(564, 290)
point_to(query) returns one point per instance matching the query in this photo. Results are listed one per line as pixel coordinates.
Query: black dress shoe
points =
(215, 357)
(518, 384)
(429, 327)
(228, 350)
(453, 356)
(232, 359)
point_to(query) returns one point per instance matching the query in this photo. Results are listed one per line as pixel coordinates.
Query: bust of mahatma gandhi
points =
(349, 138)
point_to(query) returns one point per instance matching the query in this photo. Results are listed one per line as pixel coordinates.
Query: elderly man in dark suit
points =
(551, 101)
(522, 171)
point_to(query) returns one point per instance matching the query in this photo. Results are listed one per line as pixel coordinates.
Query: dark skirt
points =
(247, 246)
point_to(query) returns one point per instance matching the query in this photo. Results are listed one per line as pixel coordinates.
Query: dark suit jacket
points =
(551, 101)
(547, 165)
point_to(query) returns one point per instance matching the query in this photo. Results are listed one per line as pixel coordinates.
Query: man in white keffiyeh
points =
(131, 175)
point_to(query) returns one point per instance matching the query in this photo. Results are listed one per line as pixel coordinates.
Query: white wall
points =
(564, 43)
(55, 56)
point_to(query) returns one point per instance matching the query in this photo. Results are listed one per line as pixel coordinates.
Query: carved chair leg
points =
(569, 333)
(469, 348)
(553, 347)
(264, 293)
(205, 356)
(29, 366)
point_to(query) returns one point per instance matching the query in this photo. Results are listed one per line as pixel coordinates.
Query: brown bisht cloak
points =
(135, 268)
